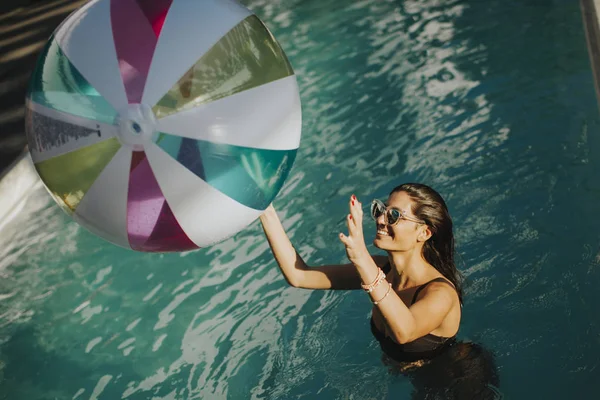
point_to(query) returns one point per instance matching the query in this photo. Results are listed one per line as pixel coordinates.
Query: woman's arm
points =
(296, 272)
(409, 323)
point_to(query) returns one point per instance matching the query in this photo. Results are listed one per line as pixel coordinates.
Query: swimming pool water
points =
(491, 103)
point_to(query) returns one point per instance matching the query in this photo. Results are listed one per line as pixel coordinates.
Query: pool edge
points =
(591, 25)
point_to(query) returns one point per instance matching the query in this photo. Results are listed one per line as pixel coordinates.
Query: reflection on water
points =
(491, 103)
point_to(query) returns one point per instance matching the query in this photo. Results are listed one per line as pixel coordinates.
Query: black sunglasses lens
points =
(393, 216)
(376, 210)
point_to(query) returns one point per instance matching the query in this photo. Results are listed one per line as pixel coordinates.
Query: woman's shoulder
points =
(436, 284)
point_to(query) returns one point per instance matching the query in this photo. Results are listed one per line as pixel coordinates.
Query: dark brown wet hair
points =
(430, 207)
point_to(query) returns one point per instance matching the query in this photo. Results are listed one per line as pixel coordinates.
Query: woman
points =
(416, 289)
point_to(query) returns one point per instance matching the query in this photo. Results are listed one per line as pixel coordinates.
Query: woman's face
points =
(404, 235)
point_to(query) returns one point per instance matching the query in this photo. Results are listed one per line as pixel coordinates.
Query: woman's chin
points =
(379, 242)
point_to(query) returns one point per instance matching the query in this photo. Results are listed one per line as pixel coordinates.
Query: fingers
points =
(353, 221)
(356, 213)
(356, 208)
(348, 241)
(344, 239)
(350, 223)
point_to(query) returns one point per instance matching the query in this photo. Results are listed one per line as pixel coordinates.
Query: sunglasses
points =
(391, 215)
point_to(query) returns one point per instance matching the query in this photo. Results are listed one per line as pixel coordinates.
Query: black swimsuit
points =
(425, 347)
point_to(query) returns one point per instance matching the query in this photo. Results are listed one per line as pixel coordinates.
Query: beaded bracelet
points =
(380, 277)
(370, 286)
(384, 296)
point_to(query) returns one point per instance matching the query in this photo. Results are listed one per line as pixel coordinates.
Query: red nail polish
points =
(352, 202)
(351, 217)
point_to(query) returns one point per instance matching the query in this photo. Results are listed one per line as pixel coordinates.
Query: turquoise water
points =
(490, 102)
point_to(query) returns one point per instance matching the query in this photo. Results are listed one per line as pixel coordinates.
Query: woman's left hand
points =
(356, 250)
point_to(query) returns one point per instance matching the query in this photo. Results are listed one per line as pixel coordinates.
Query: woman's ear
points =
(424, 233)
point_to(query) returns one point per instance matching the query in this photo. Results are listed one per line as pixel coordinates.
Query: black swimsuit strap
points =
(439, 279)
(388, 267)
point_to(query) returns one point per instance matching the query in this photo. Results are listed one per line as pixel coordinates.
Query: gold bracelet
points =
(385, 295)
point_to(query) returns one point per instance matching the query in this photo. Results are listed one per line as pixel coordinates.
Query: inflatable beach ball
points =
(163, 125)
